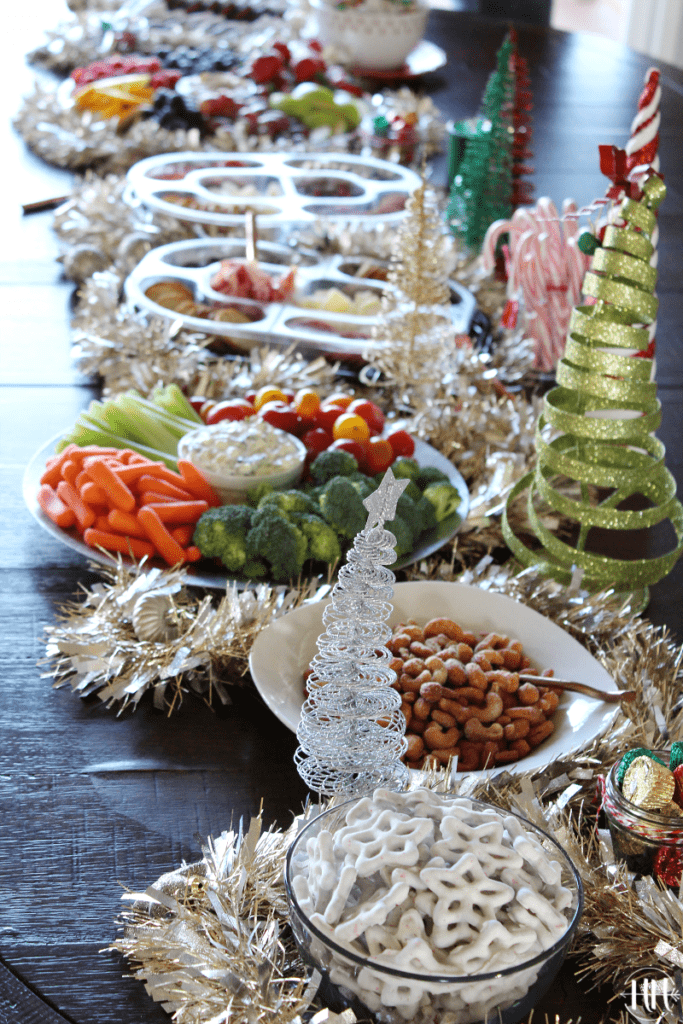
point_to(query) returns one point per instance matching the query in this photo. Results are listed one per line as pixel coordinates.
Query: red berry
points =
(283, 50)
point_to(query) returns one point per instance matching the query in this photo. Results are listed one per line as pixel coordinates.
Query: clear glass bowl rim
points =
(449, 979)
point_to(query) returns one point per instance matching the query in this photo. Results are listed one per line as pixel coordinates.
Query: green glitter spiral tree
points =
(602, 416)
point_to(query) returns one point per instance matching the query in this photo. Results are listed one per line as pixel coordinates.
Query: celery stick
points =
(154, 431)
(173, 400)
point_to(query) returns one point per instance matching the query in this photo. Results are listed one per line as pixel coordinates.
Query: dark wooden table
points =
(89, 800)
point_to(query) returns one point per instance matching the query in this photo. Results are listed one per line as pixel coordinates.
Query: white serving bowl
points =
(234, 488)
(378, 40)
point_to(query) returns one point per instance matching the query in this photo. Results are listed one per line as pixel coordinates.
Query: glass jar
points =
(649, 842)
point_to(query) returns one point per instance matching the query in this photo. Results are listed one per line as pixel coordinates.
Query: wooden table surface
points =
(89, 801)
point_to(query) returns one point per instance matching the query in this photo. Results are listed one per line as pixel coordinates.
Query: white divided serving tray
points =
(218, 188)
(194, 262)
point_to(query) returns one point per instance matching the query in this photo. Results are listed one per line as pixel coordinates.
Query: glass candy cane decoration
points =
(351, 732)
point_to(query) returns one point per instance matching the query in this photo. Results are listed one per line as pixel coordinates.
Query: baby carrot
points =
(53, 507)
(126, 523)
(70, 470)
(116, 542)
(154, 498)
(131, 472)
(161, 486)
(85, 516)
(183, 534)
(53, 469)
(91, 493)
(178, 512)
(117, 493)
(169, 548)
(196, 482)
(102, 523)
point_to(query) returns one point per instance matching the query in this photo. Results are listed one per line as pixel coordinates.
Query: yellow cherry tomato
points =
(350, 425)
(269, 393)
(339, 398)
(306, 403)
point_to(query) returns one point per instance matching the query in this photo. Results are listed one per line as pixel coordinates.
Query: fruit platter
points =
(282, 188)
(268, 485)
(328, 304)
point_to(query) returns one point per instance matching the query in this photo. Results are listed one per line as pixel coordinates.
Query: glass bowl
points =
(366, 985)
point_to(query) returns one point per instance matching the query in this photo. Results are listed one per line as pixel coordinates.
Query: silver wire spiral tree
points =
(351, 732)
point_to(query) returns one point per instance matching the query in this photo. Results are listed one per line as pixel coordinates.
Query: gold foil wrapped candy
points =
(648, 784)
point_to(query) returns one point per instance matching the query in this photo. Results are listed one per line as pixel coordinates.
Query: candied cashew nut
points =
(455, 672)
(436, 739)
(470, 755)
(488, 753)
(527, 693)
(437, 668)
(476, 676)
(415, 747)
(476, 730)
(443, 718)
(521, 747)
(420, 650)
(516, 730)
(398, 642)
(446, 626)
(488, 658)
(396, 664)
(491, 710)
(422, 708)
(431, 692)
(549, 702)
(532, 713)
(408, 683)
(413, 666)
(540, 733)
(412, 630)
(492, 640)
(407, 711)
(503, 680)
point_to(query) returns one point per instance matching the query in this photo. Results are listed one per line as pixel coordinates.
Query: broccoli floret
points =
(426, 513)
(407, 509)
(444, 497)
(254, 568)
(404, 467)
(290, 501)
(429, 475)
(332, 462)
(258, 492)
(365, 485)
(278, 542)
(403, 534)
(413, 491)
(221, 533)
(323, 542)
(342, 507)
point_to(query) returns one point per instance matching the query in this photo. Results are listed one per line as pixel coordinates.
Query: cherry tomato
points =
(206, 408)
(197, 401)
(401, 442)
(317, 439)
(378, 455)
(233, 409)
(327, 415)
(307, 403)
(268, 394)
(355, 448)
(280, 415)
(371, 413)
(350, 425)
(339, 398)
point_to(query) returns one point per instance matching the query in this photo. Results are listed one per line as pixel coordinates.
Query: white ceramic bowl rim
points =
(419, 7)
(246, 481)
(453, 979)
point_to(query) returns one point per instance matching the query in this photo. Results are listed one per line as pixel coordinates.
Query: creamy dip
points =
(249, 447)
